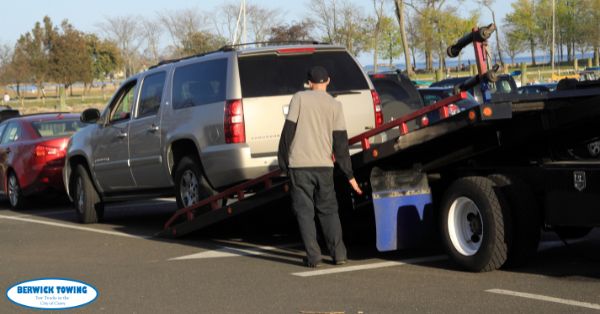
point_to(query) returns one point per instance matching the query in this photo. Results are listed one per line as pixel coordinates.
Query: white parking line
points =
(75, 227)
(336, 270)
(235, 252)
(545, 298)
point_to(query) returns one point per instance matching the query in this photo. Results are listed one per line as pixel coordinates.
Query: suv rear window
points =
(272, 75)
(199, 83)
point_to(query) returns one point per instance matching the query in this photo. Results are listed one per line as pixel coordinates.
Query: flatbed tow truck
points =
(488, 178)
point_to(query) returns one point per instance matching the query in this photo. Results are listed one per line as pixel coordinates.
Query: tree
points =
(69, 57)
(31, 57)
(6, 56)
(294, 32)
(201, 42)
(400, 15)
(513, 46)
(260, 21)
(520, 24)
(152, 31)
(105, 57)
(125, 32)
(377, 29)
(390, 43)
(343, 24)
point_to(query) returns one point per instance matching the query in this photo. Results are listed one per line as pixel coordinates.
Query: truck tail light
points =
(377, 108)
(234, 122)
(453, 109)
(424, 121)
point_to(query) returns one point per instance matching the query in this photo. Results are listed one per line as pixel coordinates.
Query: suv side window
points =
(151, 94)
(12, 133)
(199, 83)
(121, 108)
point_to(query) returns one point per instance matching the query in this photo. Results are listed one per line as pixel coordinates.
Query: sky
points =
(19, 16)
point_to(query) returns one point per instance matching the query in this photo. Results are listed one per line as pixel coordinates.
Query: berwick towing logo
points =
(52, 294)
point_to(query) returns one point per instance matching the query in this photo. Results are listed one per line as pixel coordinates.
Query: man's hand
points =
(355, 186)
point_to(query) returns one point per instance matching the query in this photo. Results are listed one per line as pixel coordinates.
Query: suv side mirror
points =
(90, 115)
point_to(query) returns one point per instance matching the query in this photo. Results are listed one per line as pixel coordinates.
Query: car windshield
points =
(56, 128)
(273, 74)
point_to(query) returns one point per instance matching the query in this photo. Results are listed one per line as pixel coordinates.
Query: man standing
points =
(314, 132)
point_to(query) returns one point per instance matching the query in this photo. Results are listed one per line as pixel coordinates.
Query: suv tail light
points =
(377, 108)
(234, 122)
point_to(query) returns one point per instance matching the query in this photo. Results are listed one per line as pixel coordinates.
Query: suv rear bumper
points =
(230, 163)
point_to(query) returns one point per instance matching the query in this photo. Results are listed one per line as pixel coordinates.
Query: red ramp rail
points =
(208, 211)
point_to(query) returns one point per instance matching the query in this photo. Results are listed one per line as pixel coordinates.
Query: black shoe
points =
(311, 264)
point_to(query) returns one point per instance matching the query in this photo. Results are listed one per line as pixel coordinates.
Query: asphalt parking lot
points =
(252, 265)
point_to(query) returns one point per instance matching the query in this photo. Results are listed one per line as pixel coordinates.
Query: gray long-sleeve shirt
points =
(314, 132)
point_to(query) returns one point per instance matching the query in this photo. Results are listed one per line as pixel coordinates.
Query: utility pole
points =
(241, 18)
(488, 5)
(552, 53)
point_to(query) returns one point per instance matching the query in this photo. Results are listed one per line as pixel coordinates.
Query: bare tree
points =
(379, 14)
(261, 20)
(343, 24)
(6, 55)
(325, 13)
(183, 24)
(125, 31)
(292, 32)
(225, 20)
(152, 31)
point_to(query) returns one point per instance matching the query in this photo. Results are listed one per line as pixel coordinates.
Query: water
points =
(539, 59)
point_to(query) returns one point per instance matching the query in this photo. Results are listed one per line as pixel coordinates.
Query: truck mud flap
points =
(400, 199)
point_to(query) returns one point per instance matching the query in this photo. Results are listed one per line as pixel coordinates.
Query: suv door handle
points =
(153, 128)
(122, 135)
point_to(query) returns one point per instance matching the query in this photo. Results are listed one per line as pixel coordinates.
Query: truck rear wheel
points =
(525, 223)
(473, 224)
(87, 203)
(190, 185)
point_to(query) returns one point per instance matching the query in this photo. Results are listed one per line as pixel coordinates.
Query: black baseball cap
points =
(318, 74)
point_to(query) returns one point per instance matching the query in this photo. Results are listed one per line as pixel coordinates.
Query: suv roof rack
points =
(233, 47)
(167, 61)
(272, 43)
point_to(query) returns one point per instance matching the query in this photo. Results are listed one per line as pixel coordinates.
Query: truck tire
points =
(190, 185)
(525, 226)
(472, 224)
(15, 194)
(87, 202)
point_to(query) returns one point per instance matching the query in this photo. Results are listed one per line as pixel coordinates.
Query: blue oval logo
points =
(52, 293)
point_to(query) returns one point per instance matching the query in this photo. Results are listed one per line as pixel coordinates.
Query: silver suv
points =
(197, 125)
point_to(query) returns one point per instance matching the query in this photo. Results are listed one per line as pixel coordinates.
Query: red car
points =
(32, 154)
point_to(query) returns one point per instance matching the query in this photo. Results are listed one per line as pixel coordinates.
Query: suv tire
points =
(190, 185)
(87, 203)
